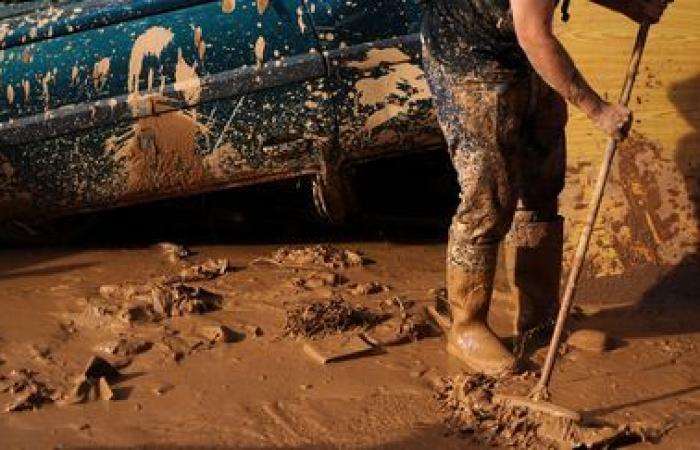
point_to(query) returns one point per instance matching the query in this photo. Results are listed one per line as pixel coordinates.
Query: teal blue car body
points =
(107, 103)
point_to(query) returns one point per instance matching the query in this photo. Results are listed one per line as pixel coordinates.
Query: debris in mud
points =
(397, 303)
(339, 348)
(94, 382)
(174, 252)
(403, 326)
(121, 362)
(100, 368)
(317, 255)
(317, 280)
(68, 327)
(208, 270)
(323, 318)
(180, 299)
(163, 389)
(88, 389)
(371, 288)
(28, 392)
(41, 353)
(126, 347)
(153, 302)
(176, 345)
(220, 333)
(254, 330)
(175, 348)
(468, 402)
(593, 341)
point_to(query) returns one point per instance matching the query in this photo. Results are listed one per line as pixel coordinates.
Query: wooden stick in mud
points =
(540, 392)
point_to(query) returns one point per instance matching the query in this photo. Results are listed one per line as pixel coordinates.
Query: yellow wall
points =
(651, 210)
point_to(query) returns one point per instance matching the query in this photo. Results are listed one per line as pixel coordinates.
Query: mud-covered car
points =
(107, 103)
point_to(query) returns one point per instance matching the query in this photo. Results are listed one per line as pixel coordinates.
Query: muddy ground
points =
(111, 291)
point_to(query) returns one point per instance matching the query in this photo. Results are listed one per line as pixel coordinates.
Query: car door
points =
(111, 102)
(374, 52)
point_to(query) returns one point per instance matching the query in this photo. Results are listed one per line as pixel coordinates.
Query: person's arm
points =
(533, 28)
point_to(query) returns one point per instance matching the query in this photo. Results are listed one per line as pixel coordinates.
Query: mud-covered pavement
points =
(202, 338)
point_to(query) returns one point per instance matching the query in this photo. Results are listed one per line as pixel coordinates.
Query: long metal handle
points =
(541, 390)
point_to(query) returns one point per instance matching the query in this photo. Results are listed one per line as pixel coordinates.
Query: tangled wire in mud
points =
(318, 319)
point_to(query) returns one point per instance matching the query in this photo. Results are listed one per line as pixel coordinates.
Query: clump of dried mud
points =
(94, 383)
(467, 400)
(468, 403)
(29, 393)
(402, 323)
(208, 270)
(174, 252)
(315, 280)
(318, 319)
(164, 297)
(317, 255)
(125, 347)
(152, 302)
(176, 345)
(371, 288)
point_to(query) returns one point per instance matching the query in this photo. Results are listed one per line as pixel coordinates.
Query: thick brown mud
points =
(286, 334)
(232, 376)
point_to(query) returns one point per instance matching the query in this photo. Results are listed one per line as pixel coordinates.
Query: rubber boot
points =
(470, 339)
(532, 254)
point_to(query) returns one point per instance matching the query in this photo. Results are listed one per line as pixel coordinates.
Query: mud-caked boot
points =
(532, 255)
(470, 339)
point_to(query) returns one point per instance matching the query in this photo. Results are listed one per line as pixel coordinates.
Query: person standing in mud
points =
(500, 80)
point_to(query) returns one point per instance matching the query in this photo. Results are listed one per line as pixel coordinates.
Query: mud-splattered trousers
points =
(505, 135)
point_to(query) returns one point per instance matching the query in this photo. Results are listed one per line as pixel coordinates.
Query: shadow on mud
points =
(408, 198)
(668, 395)
(666, 298)
(51, 270)
(425, 437)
